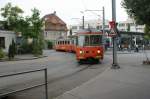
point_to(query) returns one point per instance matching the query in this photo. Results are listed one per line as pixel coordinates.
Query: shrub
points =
(12, 50)
(37, 48)
(2, 54)
(49, 44)
(25, 48)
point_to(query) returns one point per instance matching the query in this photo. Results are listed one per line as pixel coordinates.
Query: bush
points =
(12, 50)
(37, 48)
(2, 54)
(49, 44)
(25, 48)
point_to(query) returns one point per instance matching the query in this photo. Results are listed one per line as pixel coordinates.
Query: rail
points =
(25, 72)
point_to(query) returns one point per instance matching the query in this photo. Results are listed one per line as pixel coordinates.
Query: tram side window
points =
(87, 40)
(65, 42)
(68, 42)
(84, 40)
(81, 40)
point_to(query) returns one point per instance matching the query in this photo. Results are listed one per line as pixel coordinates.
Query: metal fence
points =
(25, 72)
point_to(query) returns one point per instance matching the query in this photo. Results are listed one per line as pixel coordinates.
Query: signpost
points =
(114, 28)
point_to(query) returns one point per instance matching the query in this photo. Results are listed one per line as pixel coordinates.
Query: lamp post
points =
(115, 63)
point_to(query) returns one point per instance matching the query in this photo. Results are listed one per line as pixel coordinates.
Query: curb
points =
(18, 59)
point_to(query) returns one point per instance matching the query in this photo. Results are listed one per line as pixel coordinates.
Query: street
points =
(64, 73)
(60, 65)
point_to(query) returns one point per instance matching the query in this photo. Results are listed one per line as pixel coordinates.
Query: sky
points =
(68, 10)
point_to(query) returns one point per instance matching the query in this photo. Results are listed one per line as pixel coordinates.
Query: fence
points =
(25, 72)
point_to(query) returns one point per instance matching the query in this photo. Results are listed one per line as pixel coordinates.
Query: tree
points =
(139, 10)
(11, 14)
(12, 50)
(36, 32)
(23, 26)
(36, 23)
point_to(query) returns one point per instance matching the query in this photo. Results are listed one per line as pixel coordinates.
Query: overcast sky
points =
(68, 9)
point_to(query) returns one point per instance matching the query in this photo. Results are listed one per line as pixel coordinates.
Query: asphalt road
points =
(61, 66)
(64, 73)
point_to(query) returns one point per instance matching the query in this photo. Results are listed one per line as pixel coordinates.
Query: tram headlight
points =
(81, 52)
(98, 51)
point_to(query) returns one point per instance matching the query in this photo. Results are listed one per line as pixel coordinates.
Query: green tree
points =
(23, 26)
(11, 14)
(2, 54)
(36, 31)
(139, 10)
(36, 23)
(12, 50)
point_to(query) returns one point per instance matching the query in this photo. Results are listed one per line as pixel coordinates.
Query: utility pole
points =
(82, 19)
(103, 13)
(103, 20)
(115, 63)
(103, 25)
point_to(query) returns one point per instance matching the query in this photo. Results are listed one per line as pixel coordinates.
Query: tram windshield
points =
(90, 40)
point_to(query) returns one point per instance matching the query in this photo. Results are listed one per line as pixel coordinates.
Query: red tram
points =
(87, 45)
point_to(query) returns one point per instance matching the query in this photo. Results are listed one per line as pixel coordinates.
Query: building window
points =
(74, 27)
(80, 27)
(2, 42)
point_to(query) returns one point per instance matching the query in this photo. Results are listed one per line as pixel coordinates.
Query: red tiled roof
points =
(54, 19)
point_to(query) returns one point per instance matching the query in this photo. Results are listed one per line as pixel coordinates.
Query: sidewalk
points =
(123, 52)
(129, 82)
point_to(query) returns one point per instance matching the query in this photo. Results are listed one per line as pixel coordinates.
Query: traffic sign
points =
(112, 33)
(112, 24)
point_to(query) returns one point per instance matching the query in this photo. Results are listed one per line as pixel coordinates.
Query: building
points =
(6, 38)
(94, 24)
(54, 27)
(130, 26)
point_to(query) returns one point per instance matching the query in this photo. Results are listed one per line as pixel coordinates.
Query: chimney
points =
(54, 13)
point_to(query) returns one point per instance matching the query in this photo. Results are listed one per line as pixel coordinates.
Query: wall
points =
(53, 35)
(9, 35)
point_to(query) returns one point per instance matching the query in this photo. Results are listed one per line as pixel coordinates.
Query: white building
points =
(129, 25)
(94, 24)
(6, 38)
(54, 27)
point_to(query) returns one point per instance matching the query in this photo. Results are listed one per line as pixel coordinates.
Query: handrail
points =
(25, 72)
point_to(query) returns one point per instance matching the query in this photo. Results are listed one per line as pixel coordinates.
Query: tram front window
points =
(90, 40)
(95, 40)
